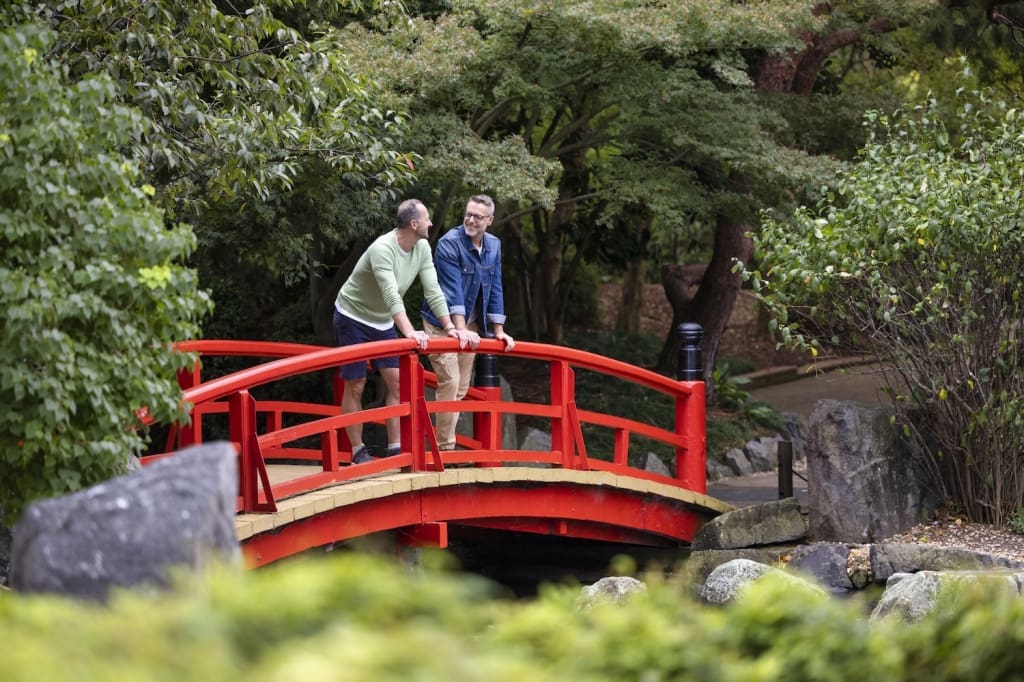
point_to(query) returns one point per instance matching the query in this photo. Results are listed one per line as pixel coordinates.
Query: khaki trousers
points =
(454, 372)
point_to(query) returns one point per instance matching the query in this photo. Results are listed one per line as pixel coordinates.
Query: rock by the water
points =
(613, 589)
(131, 530)
(826, 562)
(770, 523)
(911, 597)
(888, 558)
(701, 563)
(726, 582)
(654, 464)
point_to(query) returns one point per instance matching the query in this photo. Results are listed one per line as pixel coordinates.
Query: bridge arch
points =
(293, 496)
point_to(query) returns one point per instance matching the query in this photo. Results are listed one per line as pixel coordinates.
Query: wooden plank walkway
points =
(380, 486)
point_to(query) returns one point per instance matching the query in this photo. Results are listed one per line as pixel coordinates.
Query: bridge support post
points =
(252, 470)
(487, 425)
(424, 535)
(414, 427)
(691, 411)
(340, 436)
(191, 433)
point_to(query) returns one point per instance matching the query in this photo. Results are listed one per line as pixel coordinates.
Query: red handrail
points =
(230, 394)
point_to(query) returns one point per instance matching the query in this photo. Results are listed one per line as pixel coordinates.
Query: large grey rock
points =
(843, 567)
(725, 583)
(613, 590)
(770, 523)
(826, 562)
(794, 429)
(911, 597)
(131, 530)
(906, 557)
(535, 439)
(862, 483)
(737, 460)
(654, 464)
(716, 470)
(763, 453)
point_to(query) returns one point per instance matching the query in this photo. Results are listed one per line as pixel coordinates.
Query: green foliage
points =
(236, 98)
(1016, 521)
(91, 281)
(585, 311)
(571, 114)
(259, 132)
(352, 618)
(739, 419)
(730, 395)
(609, 395)
(915, 255)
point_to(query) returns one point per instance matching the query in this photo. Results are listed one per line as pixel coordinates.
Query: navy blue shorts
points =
(348, 332)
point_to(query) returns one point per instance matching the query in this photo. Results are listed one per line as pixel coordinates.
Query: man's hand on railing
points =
(421, 338)
(510, 343)
(465, 337)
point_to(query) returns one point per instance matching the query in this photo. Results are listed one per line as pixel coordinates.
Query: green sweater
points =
(373, 292)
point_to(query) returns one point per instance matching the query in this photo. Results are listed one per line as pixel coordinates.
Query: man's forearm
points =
(403, 324)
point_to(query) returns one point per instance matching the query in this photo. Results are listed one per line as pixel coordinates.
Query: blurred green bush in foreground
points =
(357, 618)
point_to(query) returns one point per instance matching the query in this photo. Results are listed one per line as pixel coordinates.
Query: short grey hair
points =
(408, 211)
(482, 199)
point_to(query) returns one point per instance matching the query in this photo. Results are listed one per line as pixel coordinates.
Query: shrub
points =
(916, 253)
(349, 617)
(90, 282)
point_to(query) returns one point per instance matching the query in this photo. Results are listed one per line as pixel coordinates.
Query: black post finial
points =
(486, 374)
(690, 364)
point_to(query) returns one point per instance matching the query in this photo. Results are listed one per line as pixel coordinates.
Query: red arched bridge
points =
(298, 488)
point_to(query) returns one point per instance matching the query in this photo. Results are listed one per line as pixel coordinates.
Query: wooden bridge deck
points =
(377, 487)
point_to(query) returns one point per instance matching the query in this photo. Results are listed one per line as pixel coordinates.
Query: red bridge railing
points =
(313, 432)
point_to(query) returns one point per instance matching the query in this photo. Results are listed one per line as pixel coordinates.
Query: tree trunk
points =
(628, 321)
(517, 271)
(712, 305)
(680, 283)
(323, 290)
(794, 73)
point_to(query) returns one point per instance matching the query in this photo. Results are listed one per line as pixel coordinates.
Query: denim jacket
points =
(468, 276)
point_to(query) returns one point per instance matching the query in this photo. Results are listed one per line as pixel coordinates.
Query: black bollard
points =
(486, 371)
(785, 469)
(690, 365)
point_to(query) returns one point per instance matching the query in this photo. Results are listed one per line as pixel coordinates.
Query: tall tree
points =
(253, 111)
(619, 97)
(791, 72)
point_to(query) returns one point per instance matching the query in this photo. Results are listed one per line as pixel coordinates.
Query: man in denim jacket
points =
(468, 264)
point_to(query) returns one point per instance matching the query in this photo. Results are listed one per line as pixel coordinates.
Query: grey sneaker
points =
(394, 450)
(361, 455)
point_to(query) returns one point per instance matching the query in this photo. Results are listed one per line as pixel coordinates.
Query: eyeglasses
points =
(474, 216)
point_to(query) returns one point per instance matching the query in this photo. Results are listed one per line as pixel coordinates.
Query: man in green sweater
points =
(369, 307)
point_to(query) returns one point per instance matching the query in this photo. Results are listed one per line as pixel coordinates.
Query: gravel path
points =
(956, 533)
